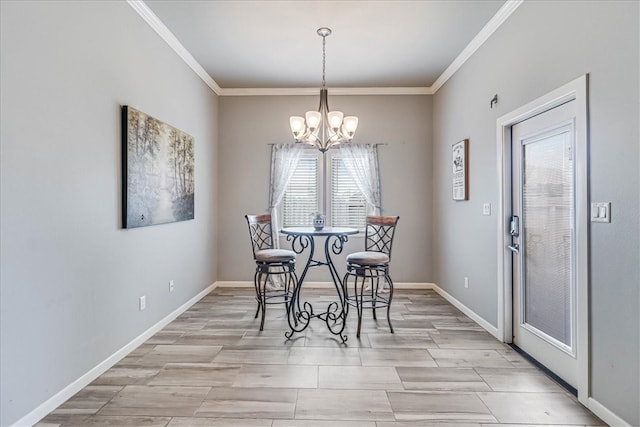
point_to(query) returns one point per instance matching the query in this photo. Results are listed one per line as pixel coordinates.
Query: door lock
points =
(514, 226)
(514, 230)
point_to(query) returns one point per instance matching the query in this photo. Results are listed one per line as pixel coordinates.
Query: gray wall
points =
(249, 124)
(542, 46)
(71, 277)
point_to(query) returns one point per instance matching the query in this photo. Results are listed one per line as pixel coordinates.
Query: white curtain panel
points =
(361, 160)
(284, 159)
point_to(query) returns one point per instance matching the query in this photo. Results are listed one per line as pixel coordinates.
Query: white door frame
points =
(574, 90)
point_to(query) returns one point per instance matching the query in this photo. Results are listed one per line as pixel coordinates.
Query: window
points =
(344, 204)
(301, 198)
(348, 205)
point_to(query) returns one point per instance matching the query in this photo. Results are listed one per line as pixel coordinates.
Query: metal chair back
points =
(260, 231)
(379, 233)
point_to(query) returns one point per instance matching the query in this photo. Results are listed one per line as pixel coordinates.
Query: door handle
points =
(514, 248)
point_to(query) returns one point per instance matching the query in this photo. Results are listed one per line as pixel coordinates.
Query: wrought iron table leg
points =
(388, 278)
(335, 315)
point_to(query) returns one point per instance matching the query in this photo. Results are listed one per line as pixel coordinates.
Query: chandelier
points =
(323, 128)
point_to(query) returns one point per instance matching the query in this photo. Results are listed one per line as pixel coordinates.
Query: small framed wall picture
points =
(460, 168)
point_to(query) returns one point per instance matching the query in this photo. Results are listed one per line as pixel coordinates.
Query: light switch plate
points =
(601, 212)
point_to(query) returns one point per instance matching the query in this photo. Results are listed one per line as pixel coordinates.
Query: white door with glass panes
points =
(542, 227)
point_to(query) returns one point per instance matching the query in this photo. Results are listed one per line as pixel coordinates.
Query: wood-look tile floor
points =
(213, 367)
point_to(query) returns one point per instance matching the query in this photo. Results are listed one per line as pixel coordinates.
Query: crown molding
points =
(173, 42)
(494, 23)
(334, 91)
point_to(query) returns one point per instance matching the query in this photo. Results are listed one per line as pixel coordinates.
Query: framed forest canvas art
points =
(158, 171)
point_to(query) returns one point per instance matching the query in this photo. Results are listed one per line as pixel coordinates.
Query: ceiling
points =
(375, 44)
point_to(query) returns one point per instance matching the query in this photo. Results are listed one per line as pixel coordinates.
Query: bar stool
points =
(370, 269)
(275, 277)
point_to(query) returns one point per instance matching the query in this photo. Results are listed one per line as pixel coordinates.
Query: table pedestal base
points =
(301, 312)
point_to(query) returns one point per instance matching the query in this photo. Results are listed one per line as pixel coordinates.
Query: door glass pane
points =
(547, 198)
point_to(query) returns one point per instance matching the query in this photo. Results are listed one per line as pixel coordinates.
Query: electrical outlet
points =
(466, 283)
(143, 302)
(171, 286)
(486, 209)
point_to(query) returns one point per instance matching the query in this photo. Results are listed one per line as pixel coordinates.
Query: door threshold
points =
(546, 370)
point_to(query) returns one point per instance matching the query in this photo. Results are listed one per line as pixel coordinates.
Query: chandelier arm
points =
(334, 144)
(305, 136)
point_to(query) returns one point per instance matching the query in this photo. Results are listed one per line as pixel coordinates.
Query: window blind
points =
(302, 196)
(348, 205)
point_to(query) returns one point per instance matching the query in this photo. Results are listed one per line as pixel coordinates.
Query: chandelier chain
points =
(324, 56)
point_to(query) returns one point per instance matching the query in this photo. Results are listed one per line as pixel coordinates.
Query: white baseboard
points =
(466, 310)
(233, 284)
(413, 285)
(605, 414)
(63, 395)
(328, 285)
